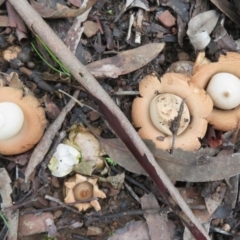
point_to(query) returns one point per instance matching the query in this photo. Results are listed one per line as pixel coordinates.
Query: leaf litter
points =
(205, 165)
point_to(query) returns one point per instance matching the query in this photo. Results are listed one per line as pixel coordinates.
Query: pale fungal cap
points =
(164, 110)
(63, 160)
(224, 89)
(11, 120)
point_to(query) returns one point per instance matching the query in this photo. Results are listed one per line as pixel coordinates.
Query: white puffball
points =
(63, 160)
(164, 108)
(11, 120)
(224, 89)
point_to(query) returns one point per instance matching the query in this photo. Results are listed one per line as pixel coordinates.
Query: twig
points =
(126, 93)
(78, 102)
(219, 230)
(57, 207)
(62, 204)
(175, 124)
(132, 193)
(17, 206)
(133, 181)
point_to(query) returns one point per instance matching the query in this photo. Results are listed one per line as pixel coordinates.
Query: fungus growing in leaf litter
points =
(22, 121)
(79, 187)
(63, 160)
(159, 104)
(221, 81)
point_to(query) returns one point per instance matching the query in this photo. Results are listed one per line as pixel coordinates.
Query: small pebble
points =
(226, 227)
(167, 19)
(93, 116)
(90, 28)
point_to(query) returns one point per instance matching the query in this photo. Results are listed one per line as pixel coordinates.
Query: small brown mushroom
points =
(178, 85)
(79, 187)
(22, 121)
(225, 73)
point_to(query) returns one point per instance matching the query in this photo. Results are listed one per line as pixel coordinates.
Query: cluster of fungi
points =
(176, 108)
(209, 96)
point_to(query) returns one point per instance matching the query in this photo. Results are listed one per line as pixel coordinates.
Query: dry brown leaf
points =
(30, 224)
(76, 3)
(12, 216)
(4, 21)
(227, 8)
(62, 11)
(125, 62)
(181, 166)
(134, 230)
(214, 200)
(157, 226)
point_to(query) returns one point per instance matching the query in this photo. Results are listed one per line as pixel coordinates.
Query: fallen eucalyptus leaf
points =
(61, 11)
(133, 4)
(125, 62)
(6, 201)
(134, 230)
(157, 223)
(197, 166)
(4, 21)
(75, 32)
(200, 27)
(229, 9)
(214, 200)
(30, 224)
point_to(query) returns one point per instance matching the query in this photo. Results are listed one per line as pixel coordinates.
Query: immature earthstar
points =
(79, 187)
(63, 160)
(22, 121)
(222, 82)
(155, 112)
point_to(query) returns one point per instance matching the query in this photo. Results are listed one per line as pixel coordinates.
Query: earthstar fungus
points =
(79, 187)
(22, 121)
(166, 95)
(63, 160)
(224, 75)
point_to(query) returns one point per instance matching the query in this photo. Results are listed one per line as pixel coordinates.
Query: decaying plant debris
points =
(85, 64)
